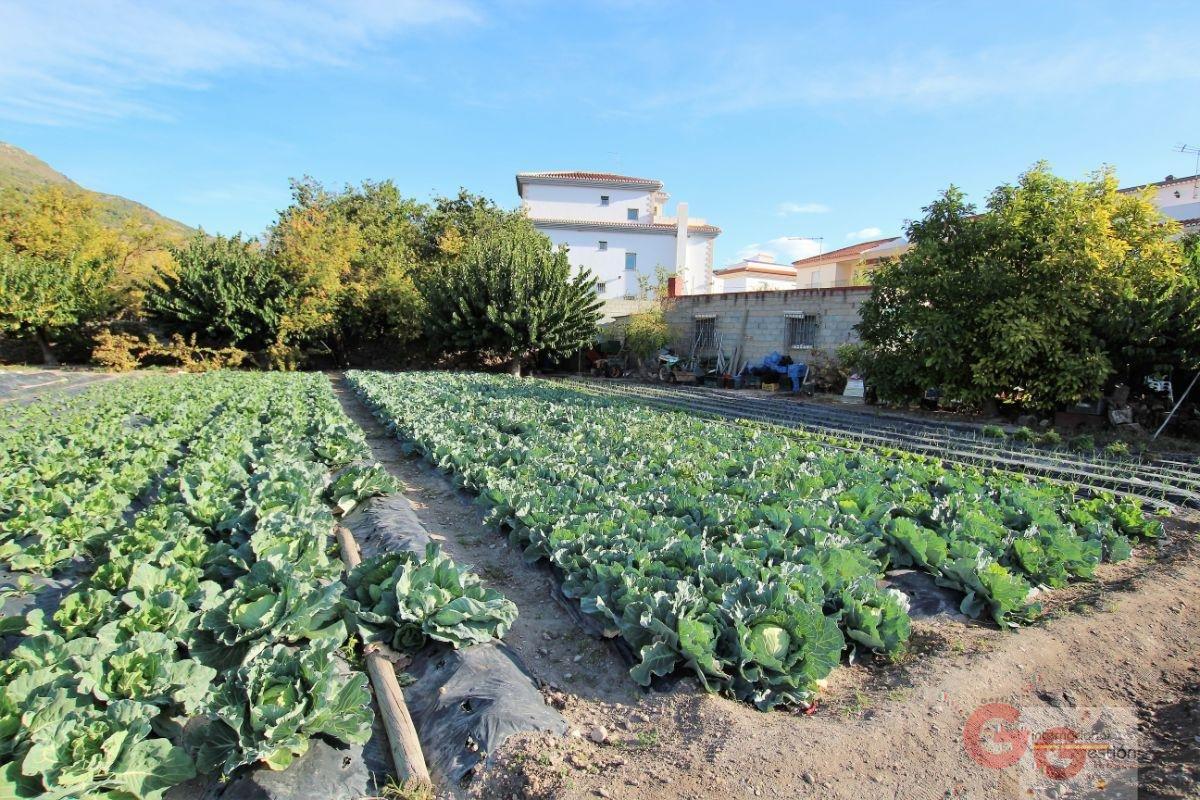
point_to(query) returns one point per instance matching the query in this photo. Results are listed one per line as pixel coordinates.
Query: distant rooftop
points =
(1167, 181)
(587, 178)
(845, 252)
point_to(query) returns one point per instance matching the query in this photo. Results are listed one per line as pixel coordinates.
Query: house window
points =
(603, 199)
(631, 214)
(631, 261)
(802, 331)
(705, 334)
(602, 245)
(600, 287)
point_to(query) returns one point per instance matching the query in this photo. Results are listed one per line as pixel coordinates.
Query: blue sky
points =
(773, 120)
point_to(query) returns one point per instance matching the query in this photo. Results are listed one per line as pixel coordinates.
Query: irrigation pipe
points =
(397, 722)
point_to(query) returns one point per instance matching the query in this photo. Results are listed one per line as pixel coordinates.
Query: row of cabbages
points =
(217, 606)
(750, 556)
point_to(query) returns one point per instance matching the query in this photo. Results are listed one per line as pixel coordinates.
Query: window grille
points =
(706, 332)
(802, 331)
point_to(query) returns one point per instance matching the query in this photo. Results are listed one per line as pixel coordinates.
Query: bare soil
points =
(880, 730)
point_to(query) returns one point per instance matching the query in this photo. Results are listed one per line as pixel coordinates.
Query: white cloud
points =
(786, 249)
(75, 62)
(787, 209)
(932, 77)
(864, 233)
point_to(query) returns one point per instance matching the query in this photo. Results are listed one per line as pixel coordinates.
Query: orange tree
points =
(1046, 296)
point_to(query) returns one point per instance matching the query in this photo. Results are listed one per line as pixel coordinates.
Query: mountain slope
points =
(26, 172)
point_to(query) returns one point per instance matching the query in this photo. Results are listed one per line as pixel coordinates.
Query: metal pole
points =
(1182, 397)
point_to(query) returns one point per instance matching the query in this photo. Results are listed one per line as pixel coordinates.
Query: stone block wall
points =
(765, 315)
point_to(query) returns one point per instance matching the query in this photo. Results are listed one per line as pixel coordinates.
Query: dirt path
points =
(564, 659)
(885, 731)
(1131, 640)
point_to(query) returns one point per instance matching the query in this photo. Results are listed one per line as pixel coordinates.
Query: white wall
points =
(583, 202)
(609, 266)
(807, 277)
(1164, 196)
(753, 283)
(695, 273)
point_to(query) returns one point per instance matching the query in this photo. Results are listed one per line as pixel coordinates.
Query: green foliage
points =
(454, 221)
(78, 751)
(1051, 438)
(215, 596)
(1041, 298)
(1116, 449)
(851, 356)
(224, 290)
(351, 257)
(509, 294)
(1024, 434)
(746, 556)
(403, 599)
(271, 706)
(356, 483)
(41, 297)
(993, 432)
(1084, 443)
(647, 332)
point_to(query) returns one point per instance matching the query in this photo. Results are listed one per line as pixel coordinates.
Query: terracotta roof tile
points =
(1159, 184)
(844, 252)
(580, 175)
(763, 269)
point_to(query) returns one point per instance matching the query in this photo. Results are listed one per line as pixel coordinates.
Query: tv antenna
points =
(1190, 150)
(820, 240)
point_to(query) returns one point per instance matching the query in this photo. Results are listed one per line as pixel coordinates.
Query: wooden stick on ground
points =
(401, 733)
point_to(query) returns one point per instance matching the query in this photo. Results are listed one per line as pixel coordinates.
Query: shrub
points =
(1084, 443)
(1024, 434)
(852, 357)
(994, 432)
(283, 357)
(120, 352)
(225, 290)
(647, 332)
(1051, 438)
(1116, 449)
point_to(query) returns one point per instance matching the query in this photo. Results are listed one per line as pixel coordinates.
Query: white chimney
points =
(681, 237)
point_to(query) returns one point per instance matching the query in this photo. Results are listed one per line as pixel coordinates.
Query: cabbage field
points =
(749, 556)
(199, 512)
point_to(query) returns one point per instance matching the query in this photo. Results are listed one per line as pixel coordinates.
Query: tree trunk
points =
(514, 367)
(48, 357)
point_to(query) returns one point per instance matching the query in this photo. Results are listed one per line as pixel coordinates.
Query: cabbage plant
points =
(402, 599)
(270, 707)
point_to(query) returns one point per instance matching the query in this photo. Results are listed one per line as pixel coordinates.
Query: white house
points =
(755, 274)
(847, 266)
(1178, 198)
(615, 226)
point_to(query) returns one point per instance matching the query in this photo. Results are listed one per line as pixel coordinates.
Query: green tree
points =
(1035, 299)
(60, 223)
(454, 221)
(224, 290)
(508, 293)
(352, 257)
(42, 297)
